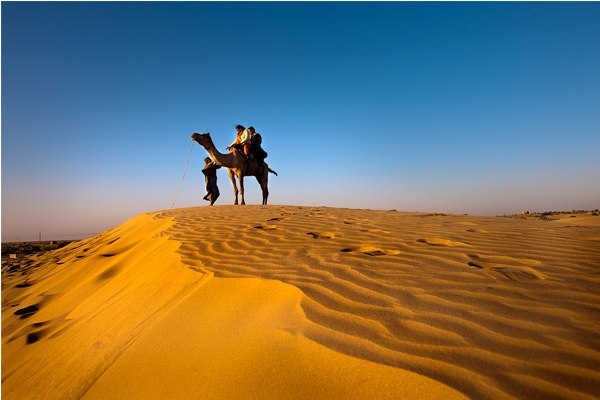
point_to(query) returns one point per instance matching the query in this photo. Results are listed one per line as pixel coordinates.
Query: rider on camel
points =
(242, 140)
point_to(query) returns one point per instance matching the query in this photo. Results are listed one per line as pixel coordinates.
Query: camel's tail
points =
(273, 172)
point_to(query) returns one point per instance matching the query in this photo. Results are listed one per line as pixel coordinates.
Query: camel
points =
(238, 166)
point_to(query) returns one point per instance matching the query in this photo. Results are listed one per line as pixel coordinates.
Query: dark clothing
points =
(212, 190)
(259, 153)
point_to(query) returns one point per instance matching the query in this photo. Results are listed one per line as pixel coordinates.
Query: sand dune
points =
(308, 302)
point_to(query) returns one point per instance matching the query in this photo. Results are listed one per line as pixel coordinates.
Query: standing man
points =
(210, 172)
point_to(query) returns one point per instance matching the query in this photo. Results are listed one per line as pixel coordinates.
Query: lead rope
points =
(184, 171)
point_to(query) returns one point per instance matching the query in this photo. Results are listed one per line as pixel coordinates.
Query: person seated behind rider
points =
(252, 132)
(257, 150)
(256, 141)
(242, 139)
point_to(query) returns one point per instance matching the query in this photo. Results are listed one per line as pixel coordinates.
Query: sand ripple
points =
(505, 310)
(495, 308)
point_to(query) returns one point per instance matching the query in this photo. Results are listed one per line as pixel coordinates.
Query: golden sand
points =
(277, 302)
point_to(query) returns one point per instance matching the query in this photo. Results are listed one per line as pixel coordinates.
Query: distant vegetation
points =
(547, 215)
(25, 248)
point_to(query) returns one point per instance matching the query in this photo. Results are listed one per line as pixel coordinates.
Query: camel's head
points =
(204, 139)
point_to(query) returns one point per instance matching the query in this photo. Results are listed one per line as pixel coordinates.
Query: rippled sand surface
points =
(308, 302)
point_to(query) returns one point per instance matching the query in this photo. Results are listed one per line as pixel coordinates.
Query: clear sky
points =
(479, 108)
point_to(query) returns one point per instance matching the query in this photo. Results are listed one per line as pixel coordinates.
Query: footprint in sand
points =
(40, 330)
(356, 220)
(441, 242)
(109, 273)
(32, 338)
(503, 259)
(514, 269)
(320, 214)
(322, 235)
(371, 251)
(27, 311)
(266, 227)
(477, 231)
(375, 231)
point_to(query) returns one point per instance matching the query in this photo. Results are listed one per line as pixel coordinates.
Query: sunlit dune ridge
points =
(308, 302)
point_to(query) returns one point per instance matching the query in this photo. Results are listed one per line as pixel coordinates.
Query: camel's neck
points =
(224, 160)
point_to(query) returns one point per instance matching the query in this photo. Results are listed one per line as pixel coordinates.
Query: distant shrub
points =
(32, 247)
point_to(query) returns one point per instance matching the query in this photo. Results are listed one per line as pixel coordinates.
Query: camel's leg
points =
(241, 178)
(235, 189)
(263, 181)
(259, 178)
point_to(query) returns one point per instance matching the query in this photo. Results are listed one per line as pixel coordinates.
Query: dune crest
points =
(214, 300)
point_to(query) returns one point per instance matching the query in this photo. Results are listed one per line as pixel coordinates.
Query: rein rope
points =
(184, 171)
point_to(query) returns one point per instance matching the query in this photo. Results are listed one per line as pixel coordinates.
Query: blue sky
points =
(479, 108)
